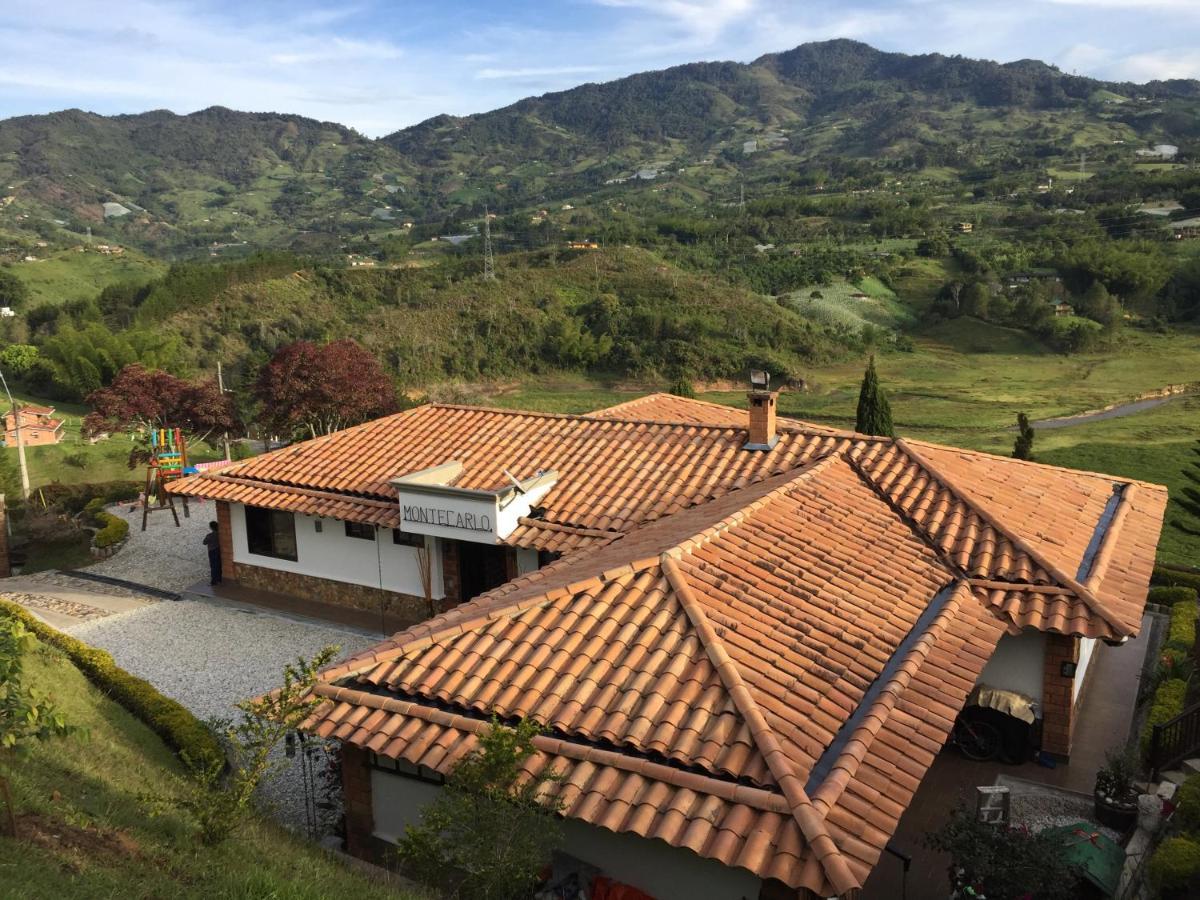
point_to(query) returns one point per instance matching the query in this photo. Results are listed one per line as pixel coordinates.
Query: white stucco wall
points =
(1017, 664)
(329, 553)
(663, 871)
(1086, 646)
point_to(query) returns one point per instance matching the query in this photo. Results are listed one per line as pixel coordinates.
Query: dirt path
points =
(1116, 412)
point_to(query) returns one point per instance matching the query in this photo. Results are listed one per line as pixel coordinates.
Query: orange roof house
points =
(38, 426)
(746, 638)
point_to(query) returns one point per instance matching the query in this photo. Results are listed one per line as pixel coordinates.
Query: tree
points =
(1023, 448)
(1002, 862)
(15, 359)
(874, 411)
(490, 830)
(13, 291)
(306, 388)
(218, 791)
(1188, 499)
(145, 399)
(26, 716)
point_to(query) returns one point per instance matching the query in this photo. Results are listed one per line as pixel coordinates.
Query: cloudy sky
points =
(378, 65)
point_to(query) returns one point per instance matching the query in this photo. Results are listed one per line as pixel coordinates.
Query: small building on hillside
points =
(964, 227)
(1186, 229)
(746, 637)
(1062, 308)
(583, 245)
(38, 427)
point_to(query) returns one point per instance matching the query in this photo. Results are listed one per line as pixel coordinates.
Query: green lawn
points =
(74, 460)
(88, 835)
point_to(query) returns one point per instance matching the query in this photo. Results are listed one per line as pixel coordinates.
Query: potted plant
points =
(1115, 795)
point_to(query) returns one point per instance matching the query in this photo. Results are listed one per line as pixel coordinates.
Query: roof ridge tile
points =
(1071, 584)
(812, 823)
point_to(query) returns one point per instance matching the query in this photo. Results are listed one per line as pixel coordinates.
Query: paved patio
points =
(1104, 721)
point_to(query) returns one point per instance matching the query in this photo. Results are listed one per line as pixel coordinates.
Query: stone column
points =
(357, 800)
(225, 533)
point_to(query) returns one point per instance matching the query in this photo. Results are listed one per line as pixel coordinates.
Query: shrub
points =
(165, 717)
(113, 530)
(1175, 866)
(1181, 633)
(73, 498)
(1167, 704)
(1187, 812)
(1175, 578)
(1003, 862)
(76, 460)
(1170, 595)
(487, 834)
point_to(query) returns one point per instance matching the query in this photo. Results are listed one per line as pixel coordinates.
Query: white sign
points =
(430, 505)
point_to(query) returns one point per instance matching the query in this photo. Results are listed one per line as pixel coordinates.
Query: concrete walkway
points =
(1104, 720)
(64, 602)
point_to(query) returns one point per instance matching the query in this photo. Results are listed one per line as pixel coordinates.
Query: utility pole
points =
(489, 262)
(1082, 163)
(16, 414)
(221, 388)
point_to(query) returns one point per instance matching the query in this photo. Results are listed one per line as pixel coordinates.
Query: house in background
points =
(747, 637)
(38, 426)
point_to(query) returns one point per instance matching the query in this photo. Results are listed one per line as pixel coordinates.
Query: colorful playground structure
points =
(168, 461)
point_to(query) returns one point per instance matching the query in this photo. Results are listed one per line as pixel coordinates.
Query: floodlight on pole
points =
(760, 380)
(16, 414)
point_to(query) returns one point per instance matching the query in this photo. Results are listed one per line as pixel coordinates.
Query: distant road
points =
(1125, 409)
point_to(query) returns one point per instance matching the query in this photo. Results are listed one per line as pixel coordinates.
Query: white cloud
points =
(537, 72)
(702, 20)
(1175, 63)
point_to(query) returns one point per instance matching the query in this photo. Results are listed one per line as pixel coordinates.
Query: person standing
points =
(212, 542)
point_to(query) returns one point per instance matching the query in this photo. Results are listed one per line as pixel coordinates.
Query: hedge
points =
(1167, 704)
(114, 530)
(1181, 633)
(170, 720)
(1175, 867)
(73, 498)
(1187, 806)
(1175, 578)
(1169, 596)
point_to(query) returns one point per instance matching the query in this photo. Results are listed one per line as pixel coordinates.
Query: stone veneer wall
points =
(405, 607)
(225, 534)
(1058, 712)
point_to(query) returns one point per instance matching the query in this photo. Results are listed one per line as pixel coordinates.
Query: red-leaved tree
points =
(318, 390)
(147, 399)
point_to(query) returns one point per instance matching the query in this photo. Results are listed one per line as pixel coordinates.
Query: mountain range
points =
(217, 179)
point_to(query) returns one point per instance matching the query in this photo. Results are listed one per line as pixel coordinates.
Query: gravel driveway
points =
(162, 556)
(208, 657)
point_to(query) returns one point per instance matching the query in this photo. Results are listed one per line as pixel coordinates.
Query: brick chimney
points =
(762, 434)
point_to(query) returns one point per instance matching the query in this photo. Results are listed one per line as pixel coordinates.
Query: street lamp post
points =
(20, 440)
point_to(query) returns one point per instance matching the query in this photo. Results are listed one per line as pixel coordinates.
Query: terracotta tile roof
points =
(670, 408)
(1014, 528)
(757, 679)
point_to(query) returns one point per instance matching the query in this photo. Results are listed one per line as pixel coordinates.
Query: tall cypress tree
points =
(1023, 447)
(1189, 498)
(874, 411)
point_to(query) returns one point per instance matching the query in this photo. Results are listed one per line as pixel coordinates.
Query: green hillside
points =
(823, 116)
(86, 834)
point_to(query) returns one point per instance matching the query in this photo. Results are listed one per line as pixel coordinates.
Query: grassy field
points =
(86, 833)
(74, 460)
(72, 275)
